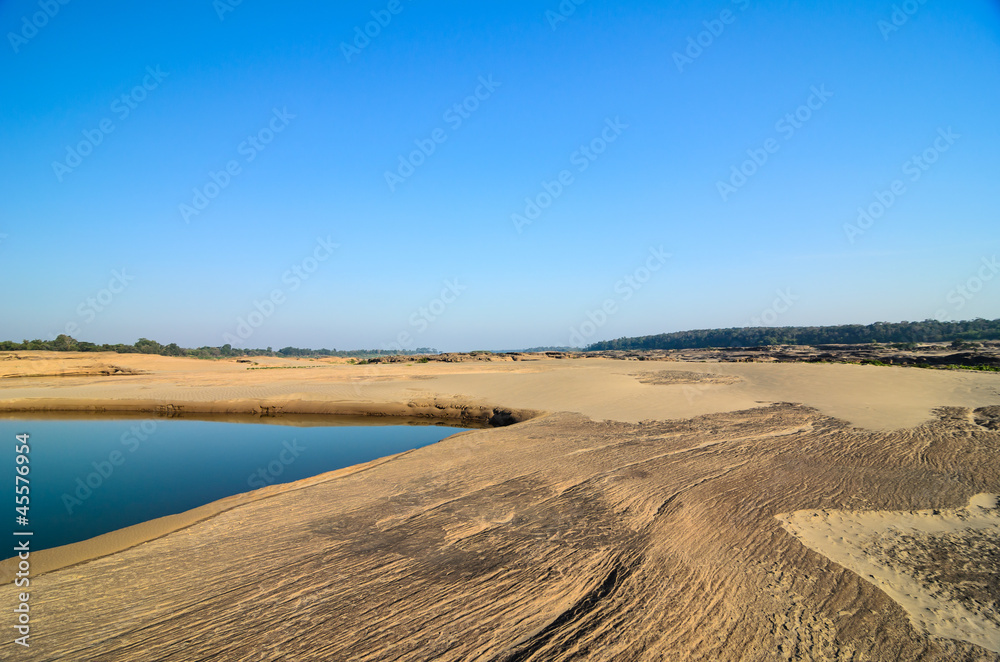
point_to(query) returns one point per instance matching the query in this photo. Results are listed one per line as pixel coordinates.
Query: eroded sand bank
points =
(635, 520)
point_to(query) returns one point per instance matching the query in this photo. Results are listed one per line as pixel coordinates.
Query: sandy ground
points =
(632, 515)
(873, 397)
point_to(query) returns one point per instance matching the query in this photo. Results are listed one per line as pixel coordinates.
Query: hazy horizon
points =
(494, 176)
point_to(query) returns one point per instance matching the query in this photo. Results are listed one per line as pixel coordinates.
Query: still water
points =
(91, 476)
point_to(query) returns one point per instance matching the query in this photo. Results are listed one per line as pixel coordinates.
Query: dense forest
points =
(64, 343)
(882, 332)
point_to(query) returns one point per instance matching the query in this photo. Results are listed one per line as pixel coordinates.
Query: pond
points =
(89, 476)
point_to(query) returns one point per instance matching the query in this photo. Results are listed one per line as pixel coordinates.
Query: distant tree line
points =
(881, 332)
(65, 343)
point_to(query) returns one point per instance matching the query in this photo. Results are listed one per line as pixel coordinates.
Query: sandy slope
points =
(637, 520)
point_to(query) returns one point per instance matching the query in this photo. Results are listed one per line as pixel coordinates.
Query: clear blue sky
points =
(113, 115)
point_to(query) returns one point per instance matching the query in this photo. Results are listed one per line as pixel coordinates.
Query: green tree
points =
(147, 346)
(64, 343)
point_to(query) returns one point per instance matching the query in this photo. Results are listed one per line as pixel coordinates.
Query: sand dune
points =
(632, 515)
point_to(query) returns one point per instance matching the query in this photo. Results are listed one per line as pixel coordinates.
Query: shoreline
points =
(119, 540)
(476, 416)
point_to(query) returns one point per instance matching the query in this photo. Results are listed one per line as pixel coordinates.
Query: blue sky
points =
(119, 218)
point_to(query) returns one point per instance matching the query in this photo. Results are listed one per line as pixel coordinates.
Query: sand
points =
(631, 514)
(906, 553)
(872, 397)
